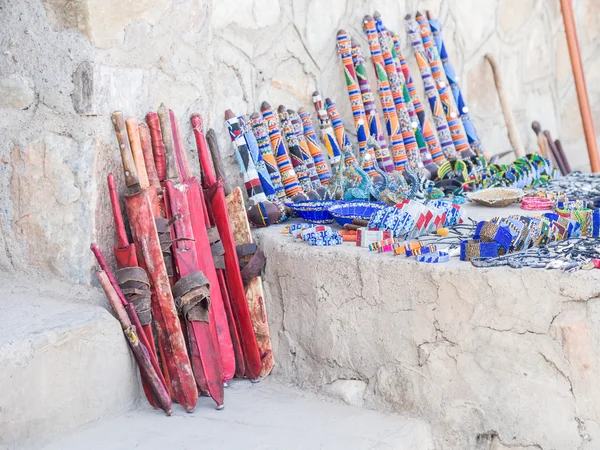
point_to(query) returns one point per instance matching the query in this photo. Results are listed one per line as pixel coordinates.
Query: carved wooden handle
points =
(136, 150)
(146, 142)
(131, 176)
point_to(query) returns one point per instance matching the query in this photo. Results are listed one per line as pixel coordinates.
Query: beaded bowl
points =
(345, 212)
(497, 197)
(313, 211)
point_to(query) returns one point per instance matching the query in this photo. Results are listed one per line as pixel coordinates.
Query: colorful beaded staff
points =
(387, 40)
(358, 112)
(308, 159)
(385, 95)
(259, 129)
(435, 104)
(410, 144)
(253, 187)
(314, 147)
(328, 135)
(382, 154)
(431, 139)
(259, 163)
(288, 175)
(457, 130)
(436, 28)
(340, 132)
(294, 151)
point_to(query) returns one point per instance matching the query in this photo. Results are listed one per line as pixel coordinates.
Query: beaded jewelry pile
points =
(522, 238)
(316, 235)
(410, 219)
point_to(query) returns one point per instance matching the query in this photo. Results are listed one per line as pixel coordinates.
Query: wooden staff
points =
(513, 133)
(541, 139)
(556, 153)
(582, 95)
(560, 149)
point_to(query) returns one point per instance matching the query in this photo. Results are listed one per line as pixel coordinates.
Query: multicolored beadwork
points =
(314, 147)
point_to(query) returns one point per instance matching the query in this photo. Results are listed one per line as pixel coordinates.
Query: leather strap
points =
(254, 267)
(246, 249)
(192, 296)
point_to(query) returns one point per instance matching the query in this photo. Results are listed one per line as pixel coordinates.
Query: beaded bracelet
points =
(326, 239)
(492, 232)
(435, 257)
(474, 248)
(570, 205)
(421, 250)
(400, 248)
(536, 203)
(382, 246)
(308, 233)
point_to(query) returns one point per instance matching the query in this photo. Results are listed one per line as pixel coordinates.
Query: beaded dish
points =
(345, 212)
(313, 211)
(497, 197)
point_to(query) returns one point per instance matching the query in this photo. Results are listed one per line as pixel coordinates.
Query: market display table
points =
(489, 357)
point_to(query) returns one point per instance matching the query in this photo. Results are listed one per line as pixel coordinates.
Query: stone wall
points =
(67, 64)
(492, 359)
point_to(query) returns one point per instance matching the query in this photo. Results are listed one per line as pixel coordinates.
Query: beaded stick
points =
(259, 163)
(413, 154)
(358, 112)
(328, 135)
(247, 167)
(288, 175)
(306, 155)
(435, 104)
(314, 147)
(436, 29)
(431, 139)
(340, 132)
(261, 133)
(427, 147)
(457, 130)
(294, 151)
(374, 125)
(385, 96)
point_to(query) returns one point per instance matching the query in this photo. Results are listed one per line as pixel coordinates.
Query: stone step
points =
(266, 415)
(63, 364)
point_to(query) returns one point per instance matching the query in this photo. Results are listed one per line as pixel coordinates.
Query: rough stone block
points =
(63, 365)
(351, 392)
(16, 93)
(100, 89)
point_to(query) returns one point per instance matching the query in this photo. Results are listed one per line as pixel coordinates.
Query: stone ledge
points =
(486, 356)
(63, 365)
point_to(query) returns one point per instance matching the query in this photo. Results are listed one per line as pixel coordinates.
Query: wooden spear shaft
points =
(582, 95)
